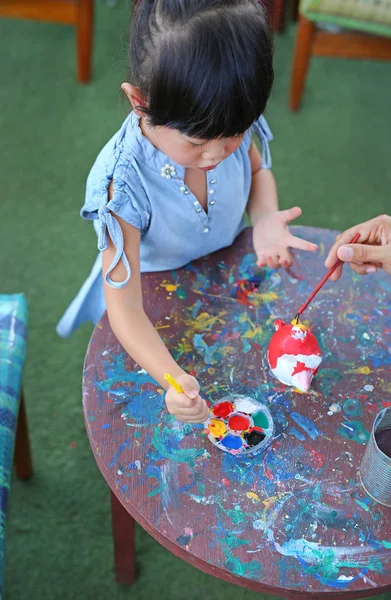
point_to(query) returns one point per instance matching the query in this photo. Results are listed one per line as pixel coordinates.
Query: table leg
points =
(124, 543)
(22, 454)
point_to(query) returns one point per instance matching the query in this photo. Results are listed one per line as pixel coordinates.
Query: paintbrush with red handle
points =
(321, 283)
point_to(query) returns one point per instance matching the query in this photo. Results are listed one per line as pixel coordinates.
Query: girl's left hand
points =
(271, 238)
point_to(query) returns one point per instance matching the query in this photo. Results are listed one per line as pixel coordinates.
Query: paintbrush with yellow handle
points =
(173, 383)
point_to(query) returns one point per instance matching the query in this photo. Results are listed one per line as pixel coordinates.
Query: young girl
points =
(175, 182)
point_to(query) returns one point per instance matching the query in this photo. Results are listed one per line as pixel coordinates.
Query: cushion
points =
(371, 16)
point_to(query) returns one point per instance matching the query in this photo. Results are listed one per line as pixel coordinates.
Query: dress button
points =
(186, 192)
(212, 202)
(183, 188)
(213, 181)
(211, 192)
(199, 209)
(206, 230)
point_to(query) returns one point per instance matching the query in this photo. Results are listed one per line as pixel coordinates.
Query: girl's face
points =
(192, 153)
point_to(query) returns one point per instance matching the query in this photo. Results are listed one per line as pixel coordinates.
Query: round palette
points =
(240, 425)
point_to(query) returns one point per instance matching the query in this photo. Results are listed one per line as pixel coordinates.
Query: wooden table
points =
(295, 521)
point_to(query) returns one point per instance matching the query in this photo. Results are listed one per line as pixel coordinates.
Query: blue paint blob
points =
(300, 436)
(233, 442)
(309, 427)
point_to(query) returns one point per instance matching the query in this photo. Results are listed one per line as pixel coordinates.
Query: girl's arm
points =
(263, 193)
(137, 335)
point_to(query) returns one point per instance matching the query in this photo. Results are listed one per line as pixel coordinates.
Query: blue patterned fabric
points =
(13, 325)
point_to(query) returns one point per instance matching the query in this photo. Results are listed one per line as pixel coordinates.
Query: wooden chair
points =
(366, 35)
(78, 13)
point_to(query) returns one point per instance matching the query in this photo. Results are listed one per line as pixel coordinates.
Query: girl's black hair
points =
(204, 66)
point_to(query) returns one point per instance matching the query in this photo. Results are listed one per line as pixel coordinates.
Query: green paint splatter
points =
(354, 430)
(233, 542)
(252, 570)
(181, 294)
(386, 544)
(352, 407)
(187, 429)
(154, 492)
(317, 493)
(328, 378)
(234, 565)
(375, 564)
(236, 515)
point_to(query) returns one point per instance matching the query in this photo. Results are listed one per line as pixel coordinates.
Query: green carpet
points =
(332, 158)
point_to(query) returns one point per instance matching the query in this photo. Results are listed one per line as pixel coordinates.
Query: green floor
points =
(332, 158)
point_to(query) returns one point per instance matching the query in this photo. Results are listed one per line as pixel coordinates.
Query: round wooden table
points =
(294, 521)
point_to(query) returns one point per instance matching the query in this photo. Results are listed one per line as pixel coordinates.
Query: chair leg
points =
(305, 37)
(296, 4)
(84, 32)
(279, 13)
(22, 455)
(124, 542)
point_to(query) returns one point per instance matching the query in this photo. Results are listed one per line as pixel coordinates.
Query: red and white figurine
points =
(294, 355)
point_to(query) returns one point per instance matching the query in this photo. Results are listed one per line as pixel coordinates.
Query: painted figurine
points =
(294, 355)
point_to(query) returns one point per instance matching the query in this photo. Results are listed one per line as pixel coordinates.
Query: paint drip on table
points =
(294, 355)
(240, 425)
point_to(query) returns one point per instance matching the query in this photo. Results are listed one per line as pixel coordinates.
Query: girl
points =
(201, 73)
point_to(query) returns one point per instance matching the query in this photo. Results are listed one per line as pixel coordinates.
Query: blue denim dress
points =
(150, 194)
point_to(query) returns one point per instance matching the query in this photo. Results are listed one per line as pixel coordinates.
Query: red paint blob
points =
(238, 423)
(223, 409)
(225, 481)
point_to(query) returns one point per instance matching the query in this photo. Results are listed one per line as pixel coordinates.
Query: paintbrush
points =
(177, 387)
(321, 284)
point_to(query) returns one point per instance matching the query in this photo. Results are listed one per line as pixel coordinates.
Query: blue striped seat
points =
(13, 325)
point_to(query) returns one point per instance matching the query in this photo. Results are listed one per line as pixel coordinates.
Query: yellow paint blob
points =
(297, 323)
(253, 496)
(268, 296)
(169, 287)
(217, 428)
(361, 371)
(251, 334)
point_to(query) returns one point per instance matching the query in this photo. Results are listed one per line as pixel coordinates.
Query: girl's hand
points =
(271, 238)
(371, 252)
(189, 406)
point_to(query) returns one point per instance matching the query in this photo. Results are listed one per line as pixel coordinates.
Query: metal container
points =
(375, 470)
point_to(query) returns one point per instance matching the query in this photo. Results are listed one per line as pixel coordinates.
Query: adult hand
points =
(371, 252)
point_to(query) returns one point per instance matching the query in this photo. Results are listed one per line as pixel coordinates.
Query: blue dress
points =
(150, 194)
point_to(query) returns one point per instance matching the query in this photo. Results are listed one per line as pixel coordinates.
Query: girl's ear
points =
(135, 98)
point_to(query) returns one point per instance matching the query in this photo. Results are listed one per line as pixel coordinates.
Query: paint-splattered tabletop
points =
(293, 521)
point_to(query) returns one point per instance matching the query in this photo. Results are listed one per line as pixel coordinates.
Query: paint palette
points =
(240, 425)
